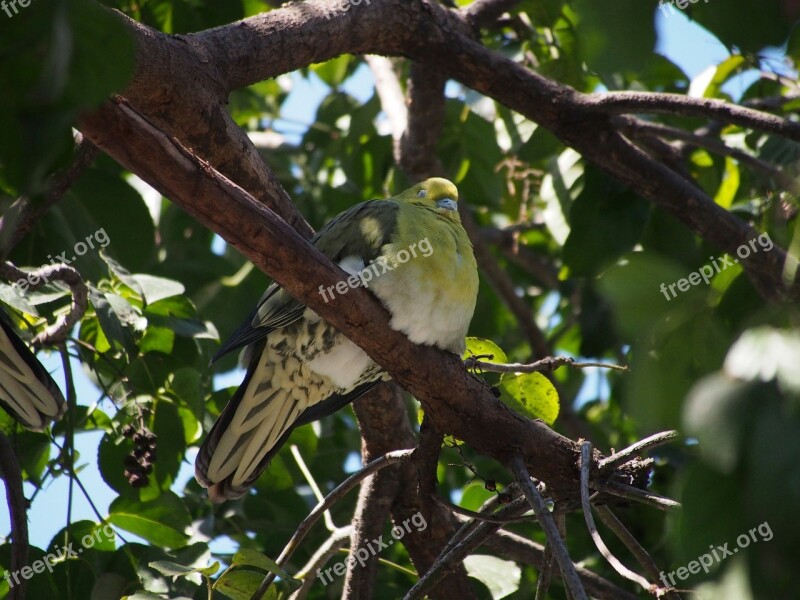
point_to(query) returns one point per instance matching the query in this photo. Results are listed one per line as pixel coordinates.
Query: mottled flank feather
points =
(301, 369)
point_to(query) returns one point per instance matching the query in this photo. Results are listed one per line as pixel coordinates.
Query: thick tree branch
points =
(456, 402)
(18, 515)
(384, 425)
(483, 12)
(709, 108)
(568, 572)
(283, 40)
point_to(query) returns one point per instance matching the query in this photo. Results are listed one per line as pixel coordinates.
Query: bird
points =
(27, 390)
(413, 253)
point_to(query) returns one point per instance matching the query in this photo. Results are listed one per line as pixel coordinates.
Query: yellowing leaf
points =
(481, 347)
(530, 394)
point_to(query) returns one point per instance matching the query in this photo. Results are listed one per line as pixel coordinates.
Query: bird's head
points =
(436, 193)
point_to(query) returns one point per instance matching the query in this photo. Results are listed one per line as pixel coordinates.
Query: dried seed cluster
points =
(139, 463)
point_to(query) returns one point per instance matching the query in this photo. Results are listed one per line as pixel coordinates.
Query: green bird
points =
(412, 252)
(27, 391)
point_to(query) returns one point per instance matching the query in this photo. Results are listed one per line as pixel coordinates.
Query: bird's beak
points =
(447, 204)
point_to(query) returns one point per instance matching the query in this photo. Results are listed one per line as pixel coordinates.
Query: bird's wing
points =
(361, 231)
(26, 388)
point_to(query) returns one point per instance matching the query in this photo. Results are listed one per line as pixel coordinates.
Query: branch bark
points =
(11, 474)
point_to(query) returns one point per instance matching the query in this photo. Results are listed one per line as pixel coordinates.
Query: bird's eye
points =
(422, 193)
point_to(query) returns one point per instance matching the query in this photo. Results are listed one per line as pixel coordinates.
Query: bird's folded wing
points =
(360, 231)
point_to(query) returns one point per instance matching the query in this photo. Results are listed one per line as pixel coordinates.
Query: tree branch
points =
(512, 546)
(17, 509)
(340, 491)
(23, 215)
(206, 65)
(568, 573)
(58, 331)
(586, 452)
(709, 108)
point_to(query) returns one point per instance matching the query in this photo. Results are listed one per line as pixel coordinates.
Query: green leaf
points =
(111, 323)
(251, 558)
(530, 394)
(764, 354)
(482, 347)
(9, 295)
(729, 185)
(724, 71)
(615, 36)
(157, 288)
(502, 577)
(33, 453)
(560, 186)
(122, 273)
(240, 584)
(161, 522)
(335, 71)
(606, 221)
(475, 494)
(166, 567)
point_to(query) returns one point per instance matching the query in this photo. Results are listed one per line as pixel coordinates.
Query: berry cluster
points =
(139, 463)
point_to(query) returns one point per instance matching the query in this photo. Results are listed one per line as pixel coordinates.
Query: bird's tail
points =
(251, 429)
(26, 388)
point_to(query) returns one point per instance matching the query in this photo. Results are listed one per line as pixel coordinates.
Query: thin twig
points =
(551, 363)
(69, 444)
(23, 216)
(337, 494)
(637, 127)
(338, 539)
(586, 453)
(545, 573)
(478, 516)
(626, 537)
(658, 439)
(329, 524)
(633, 493)
(17, 507)
(568, 572)
(59, 331)
(512, 546)
(469, 537)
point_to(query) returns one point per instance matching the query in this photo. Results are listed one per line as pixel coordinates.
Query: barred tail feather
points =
(251, 429)
(259, 419)
(26, 388)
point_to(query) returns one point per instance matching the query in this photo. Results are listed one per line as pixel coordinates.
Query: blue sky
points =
(690, 47)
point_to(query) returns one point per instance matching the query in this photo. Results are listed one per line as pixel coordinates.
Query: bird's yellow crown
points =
(436, 193)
